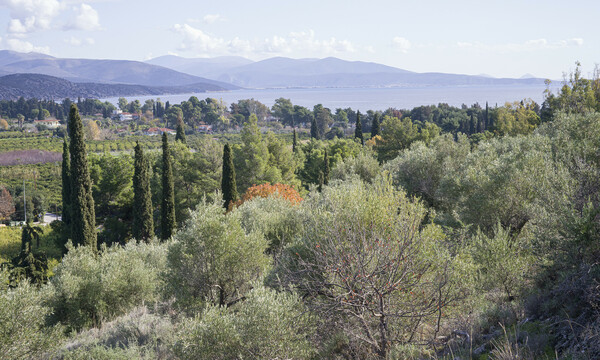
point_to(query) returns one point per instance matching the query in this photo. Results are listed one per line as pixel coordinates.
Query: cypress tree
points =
(358, 133)
(321, 181)
(487, 121)
(314, 132)
(167, 210)
(295, 141)
(66, 191)
(228, 184)
(143, 225)
(472, 128)
(326, 168)
(83, 216)
(375, 126)
(180, 136)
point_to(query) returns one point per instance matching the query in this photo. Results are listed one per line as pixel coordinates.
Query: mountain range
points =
(281, 72)
(173, 74)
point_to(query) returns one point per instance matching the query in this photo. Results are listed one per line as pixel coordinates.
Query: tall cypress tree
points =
(228, 184)
(143, 225)
(314, 132)
(375, 126)
(167, 210)
(180, 136)
(358, 132)
(66, 192)
(326, 168)
(487, 121)
(472, 125)
(83, 216)
(294, 141)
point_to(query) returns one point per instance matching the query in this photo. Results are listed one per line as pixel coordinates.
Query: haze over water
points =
(371, 98)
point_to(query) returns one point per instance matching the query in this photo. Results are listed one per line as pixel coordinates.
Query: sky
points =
(505, 38)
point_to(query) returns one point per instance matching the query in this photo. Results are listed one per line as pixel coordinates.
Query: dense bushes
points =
(23, 331)
(267, 325)
(89, 289)
(213, 260)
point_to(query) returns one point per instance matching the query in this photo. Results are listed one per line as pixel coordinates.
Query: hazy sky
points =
(500, 38)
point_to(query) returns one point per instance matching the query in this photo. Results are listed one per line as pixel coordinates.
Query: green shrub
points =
(276, 218)
(89, 289)
(503, 261)
(142, 333)
(23, 333)
(364, 165)
(267, 325)
(213, 260)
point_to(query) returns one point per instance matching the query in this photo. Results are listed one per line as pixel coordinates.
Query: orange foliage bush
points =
(265, 190)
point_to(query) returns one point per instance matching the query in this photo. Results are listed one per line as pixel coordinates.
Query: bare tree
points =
(384, 277)
(7, 206)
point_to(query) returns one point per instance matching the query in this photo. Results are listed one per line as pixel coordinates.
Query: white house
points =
(49, 123)
(159, 131)
(125, 116)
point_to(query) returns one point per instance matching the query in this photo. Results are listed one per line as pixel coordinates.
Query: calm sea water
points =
(371, 98)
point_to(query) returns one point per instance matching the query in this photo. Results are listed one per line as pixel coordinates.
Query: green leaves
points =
(213, 260)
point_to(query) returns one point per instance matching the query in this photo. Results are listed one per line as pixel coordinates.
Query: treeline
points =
(34, 109)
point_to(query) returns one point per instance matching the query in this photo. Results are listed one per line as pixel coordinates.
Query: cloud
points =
(528, 45)
(31, 15)
(74, 41)
(212, 18)
(306, 42)
(25, 46)
(401, 44)
(86, 19)
(571, 42)
(196, 39)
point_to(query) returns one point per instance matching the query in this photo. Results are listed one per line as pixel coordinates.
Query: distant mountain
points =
(281, 72)
(200, 66)
(49, 87)
(9, 57)
(527, 76)
(100, 71)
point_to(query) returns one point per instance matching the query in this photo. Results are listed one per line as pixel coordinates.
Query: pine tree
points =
(167, 210)
(143, 225)
(83, 216)
(294, 141)
(27, 265)
(358, 133)
(228, 184)
(66, 193)
(375, 126)
(326, 168)
(180, 136)
(314, 132)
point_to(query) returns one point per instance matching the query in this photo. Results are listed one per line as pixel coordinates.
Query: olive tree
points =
(367, 260)
(213, 260)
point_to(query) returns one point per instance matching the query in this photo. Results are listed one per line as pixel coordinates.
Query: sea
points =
(364, 99)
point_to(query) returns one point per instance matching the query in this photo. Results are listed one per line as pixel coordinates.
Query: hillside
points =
(282, 72)
(99, 71)
(204, 67)
(49, 87)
